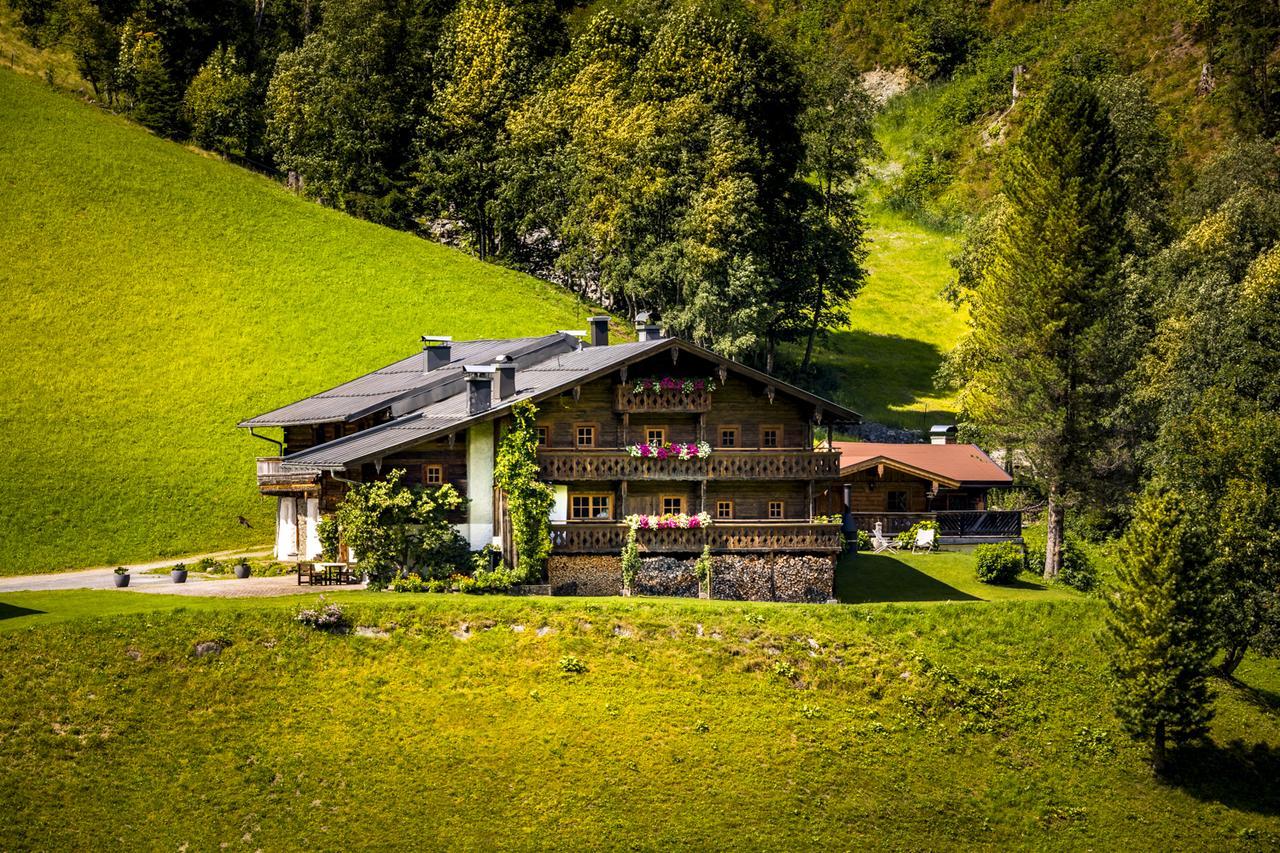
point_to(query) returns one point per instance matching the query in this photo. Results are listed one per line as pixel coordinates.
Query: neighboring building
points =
(900, 484)
(439, 415)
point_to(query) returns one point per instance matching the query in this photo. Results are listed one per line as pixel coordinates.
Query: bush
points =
(1077, 570)
(630, 561)
(864, 540)
(569, 663)
(907, 538)
(409, 583)
(328, 618)
(999, 564)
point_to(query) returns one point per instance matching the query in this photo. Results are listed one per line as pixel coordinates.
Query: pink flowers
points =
(680, 384)
(668, 521)
(701, 450)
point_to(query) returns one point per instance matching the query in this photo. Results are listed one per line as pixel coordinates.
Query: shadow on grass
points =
(13, 611)
(1233, 774)
(873, 577)
(890, 372)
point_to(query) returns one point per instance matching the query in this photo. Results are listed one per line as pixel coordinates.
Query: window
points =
(655, 435)
(897, 501)
(542, 436)
(724, 509)
(728, 436)
(777, 509)
(584, 507)
(585, 435)
(771, 436)
(672, 505)
(433, 475)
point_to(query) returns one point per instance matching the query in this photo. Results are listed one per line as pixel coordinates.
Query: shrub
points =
(907, 538)
(1077, 570)
(328, 618)
(999, 564)
(702, 568)
(864, 540)
(569, 663)
(408, 583)
(630, 561)
(121, 570)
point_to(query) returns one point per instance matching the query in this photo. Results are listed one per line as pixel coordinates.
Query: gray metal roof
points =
(406, 380)
(548, 373)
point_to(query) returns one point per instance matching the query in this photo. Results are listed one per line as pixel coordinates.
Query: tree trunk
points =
(1159, 757)
(1232, 659)
(813, 327)
(1053, 541)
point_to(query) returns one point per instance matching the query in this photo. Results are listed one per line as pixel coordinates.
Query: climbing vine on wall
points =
(528, 499)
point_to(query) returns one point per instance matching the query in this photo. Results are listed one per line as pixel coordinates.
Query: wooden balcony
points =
(577, 465)
(626, 400)
(601, 537)
(275, 479)
(955, 526)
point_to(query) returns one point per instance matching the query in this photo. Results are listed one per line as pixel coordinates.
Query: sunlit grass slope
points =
(153, 297)
(900, 326)
(693, 725)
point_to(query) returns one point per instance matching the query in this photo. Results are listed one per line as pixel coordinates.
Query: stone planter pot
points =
(122, 580)
(178, 576)
(243, 572)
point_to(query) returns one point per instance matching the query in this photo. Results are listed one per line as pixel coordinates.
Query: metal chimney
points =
(506, 371)
(648, 332)
(479, 387)
(437, 351)
(599, 331)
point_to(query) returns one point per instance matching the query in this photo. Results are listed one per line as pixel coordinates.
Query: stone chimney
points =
(505, 369)
(437, 351)
(479, 387)
(599, 331)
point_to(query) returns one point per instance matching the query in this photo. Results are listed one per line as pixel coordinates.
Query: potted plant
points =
(242, 569)
(122, 576)
(179, 573)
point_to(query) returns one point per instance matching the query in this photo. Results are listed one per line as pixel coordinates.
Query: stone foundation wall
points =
(734, 577)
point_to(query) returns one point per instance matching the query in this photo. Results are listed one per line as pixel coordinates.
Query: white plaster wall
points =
(286, 529)
(560, 509)
(479, 532)
(311, 551)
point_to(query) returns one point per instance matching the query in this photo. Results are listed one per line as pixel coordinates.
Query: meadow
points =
(154, 297)
(947, 723)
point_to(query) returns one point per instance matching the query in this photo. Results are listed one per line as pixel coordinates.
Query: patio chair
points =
(925, 540)
(880, 543)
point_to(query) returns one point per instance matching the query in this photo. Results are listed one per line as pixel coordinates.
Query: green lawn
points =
(154, 297)
(696, 724)
(901, 328)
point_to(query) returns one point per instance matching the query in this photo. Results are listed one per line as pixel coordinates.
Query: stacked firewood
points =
(666, 576)
(592, 575)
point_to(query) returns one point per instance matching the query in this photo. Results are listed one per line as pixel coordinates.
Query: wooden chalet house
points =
(607, 418)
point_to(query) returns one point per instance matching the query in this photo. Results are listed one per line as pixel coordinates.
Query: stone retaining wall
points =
(734, 577)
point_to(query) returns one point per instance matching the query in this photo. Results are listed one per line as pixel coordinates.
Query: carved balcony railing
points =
(274, 478)
(576, 465)
(670, 400)
(597, 537)
(958, 524)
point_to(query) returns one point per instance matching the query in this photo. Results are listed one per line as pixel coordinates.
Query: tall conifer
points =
(1157, 631)
(1037, 366)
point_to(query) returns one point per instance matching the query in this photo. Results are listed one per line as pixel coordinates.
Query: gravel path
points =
(104, 578)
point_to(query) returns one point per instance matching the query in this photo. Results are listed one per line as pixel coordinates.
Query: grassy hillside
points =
(900, 326)
(960, 726)
(153, 297)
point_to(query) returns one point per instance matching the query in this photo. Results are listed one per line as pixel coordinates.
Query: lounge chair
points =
(925, 540)
(880, 543)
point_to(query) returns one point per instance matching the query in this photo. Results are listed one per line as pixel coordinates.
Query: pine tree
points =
(1157, 633)
(1039, 362)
